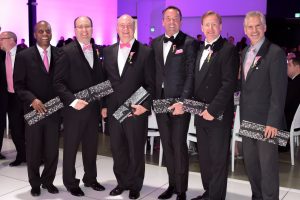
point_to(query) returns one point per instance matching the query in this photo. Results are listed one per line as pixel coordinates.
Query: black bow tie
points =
(166, 39)
(207, 46)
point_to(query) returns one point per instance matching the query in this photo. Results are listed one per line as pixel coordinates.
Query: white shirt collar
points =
(206, 42)
(130, 42)
(175, 35)
(41, 50)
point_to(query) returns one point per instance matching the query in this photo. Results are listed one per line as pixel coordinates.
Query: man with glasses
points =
(11, 102)
(174, 54)
(79, 68)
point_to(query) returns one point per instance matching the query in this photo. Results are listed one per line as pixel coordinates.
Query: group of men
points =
(173, 67)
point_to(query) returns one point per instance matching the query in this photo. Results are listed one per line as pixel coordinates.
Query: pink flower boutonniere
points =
(209, 55)
(255, 62)
(130, 57)
(173, 48)
(179, 51)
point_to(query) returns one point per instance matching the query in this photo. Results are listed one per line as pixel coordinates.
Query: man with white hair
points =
(264, 83)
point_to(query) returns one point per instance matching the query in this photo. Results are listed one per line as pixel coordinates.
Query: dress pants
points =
(16, 124)
(261, 162)
(127, 144)
(80, 127)
(173, 132)
(42, 142)
(213, 150)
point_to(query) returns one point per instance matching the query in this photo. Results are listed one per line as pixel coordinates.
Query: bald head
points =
(125, 28)
(43, 34)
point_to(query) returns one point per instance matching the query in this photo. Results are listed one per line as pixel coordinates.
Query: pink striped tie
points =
(9, 73)
(46, 61)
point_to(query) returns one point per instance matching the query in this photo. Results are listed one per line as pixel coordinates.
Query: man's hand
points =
(177, 108)
(104, 113)
(270, 132)
(38, 106)
(138, 110)
(80, 104)
(205, 114)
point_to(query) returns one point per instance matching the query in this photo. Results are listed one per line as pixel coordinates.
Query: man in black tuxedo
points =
(293, 90)
(216, 72)
(12, 104)
(128, 65)
(33, 83)
(264, 84)
(174, 54)
(77, 69)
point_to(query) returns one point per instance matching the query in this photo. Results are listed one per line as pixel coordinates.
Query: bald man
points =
(79, 68)
(128, 65)
(33, 82)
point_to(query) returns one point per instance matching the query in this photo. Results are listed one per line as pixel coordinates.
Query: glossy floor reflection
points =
(14, 180)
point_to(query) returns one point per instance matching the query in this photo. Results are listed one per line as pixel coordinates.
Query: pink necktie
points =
(249, 61)
(122, 45)
(46, 61)
(87, 47)
(9, 73)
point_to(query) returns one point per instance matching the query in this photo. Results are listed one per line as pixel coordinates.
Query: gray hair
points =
(255, 14)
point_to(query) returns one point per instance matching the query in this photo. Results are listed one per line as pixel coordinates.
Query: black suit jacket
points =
(138, 71)
(73, 72)
(216, 81)
(31, 80)
(177, 73)
(3, 84)
(263, 92)
(292, 100)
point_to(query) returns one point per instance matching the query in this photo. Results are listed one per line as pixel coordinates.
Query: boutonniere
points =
(179, 51)
(209, 55)
(256, 62)
(130, 57)
(173, 48)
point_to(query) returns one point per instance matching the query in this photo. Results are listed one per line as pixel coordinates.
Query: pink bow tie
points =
(87, 47)
(122, 45)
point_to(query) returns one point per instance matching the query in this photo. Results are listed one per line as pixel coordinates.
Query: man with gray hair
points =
(128, 65)
(12, 105)
(263, 91)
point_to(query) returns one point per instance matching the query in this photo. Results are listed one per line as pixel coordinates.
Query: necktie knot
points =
(87, 47)
(170, 39)
(123, 45)
(208, 46)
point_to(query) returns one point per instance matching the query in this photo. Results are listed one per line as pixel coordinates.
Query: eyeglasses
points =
(4, 38)
(83, 27)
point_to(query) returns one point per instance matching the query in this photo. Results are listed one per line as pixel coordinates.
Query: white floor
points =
(14, 182)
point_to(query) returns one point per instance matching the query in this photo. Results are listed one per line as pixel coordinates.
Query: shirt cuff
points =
(74, 103)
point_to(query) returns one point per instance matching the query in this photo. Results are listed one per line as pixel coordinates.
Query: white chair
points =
(191, 136)
(153, 132)
(294, 134)
(235, 136)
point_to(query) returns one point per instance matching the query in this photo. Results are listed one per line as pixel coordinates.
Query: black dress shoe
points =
(167, 194)
(76, 191)
(134, 194)
(51, 188)
(181, 196)
(116, 191)
(2, 157)
(204, 196)
(96, 186)
(15, 163)
(36, 191)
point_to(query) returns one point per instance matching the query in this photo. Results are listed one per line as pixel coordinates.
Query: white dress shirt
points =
(41, 51)
(167, 46)
(123, 54)
(206, 51)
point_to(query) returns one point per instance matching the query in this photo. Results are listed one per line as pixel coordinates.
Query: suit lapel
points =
(131, 57)
(208, 64)
(178, 42)
(160, 53)
(261, 53)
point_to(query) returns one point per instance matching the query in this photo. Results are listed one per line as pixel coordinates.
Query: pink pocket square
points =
(178, 51)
